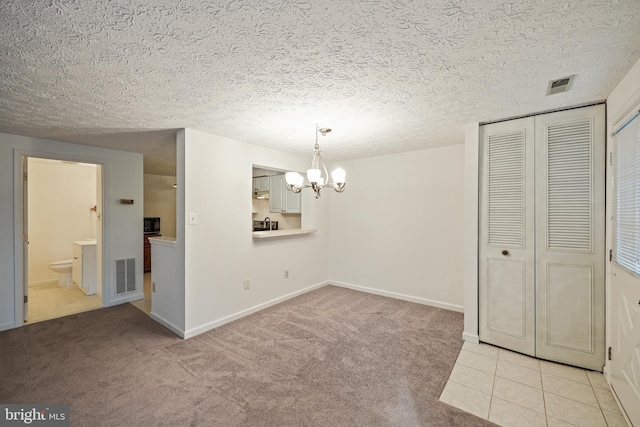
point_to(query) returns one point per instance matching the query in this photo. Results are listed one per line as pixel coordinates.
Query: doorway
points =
(61, 220)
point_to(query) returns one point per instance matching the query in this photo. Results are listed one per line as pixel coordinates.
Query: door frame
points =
(18, 202)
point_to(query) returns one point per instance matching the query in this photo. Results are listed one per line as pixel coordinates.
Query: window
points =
(626, 207)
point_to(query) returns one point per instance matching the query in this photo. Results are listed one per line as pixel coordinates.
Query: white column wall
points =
(220, 252)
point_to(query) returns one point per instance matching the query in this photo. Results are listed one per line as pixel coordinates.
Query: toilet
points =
(64, 269)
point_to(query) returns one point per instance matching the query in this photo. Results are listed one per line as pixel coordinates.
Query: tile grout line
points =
(543, 390)
(544, 399)
(493, 387)
(598, 400)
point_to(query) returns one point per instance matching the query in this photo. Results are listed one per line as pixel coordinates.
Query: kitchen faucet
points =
(269, 219)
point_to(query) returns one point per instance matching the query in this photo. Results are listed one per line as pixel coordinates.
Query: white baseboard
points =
(425, 301)
(211, 325)
(9, 325)
(472, 338)
(170, 326)
(622, 410)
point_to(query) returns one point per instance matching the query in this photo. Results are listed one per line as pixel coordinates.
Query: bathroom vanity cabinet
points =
(84, 273)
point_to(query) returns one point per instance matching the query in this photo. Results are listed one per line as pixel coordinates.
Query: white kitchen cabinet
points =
(261, 183)
(281, 200)
(84, 273)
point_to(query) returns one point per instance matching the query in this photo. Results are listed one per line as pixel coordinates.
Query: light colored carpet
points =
(331, 357)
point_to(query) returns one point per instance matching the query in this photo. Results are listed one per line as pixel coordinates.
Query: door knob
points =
(505, 252)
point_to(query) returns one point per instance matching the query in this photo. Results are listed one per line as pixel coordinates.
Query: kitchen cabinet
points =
(84, 273)
(261, 183)
(281, 200)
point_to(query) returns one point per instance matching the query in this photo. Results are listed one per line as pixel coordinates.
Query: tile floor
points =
(511, 389)
(145, 304)
(49, 301)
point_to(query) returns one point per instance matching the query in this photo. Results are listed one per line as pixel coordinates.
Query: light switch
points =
(193, 218)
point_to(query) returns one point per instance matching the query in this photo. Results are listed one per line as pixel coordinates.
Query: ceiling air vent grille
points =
(560, 85)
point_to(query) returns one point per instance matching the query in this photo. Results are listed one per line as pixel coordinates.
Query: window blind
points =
(626, 215)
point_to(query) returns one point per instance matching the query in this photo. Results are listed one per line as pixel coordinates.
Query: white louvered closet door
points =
(542, 243)
(506, 264)
(570, 239)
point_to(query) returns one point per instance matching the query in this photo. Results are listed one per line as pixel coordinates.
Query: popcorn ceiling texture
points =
(387, 76)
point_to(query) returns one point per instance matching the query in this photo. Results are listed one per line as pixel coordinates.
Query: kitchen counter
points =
(281, 233)
(84, 242)
(163, 241)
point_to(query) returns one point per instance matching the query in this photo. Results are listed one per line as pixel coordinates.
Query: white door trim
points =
(471, 254)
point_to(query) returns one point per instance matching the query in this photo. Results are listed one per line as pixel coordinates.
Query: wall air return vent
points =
(560, 85)
(125, 275)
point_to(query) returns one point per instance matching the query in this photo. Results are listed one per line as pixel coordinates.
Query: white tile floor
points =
(511, 389)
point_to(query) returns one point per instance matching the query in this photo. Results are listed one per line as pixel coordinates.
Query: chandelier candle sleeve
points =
(317, 175)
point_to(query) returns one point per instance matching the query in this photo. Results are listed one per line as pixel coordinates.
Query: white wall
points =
(625, 95)
(122, 179)
(160, 201)
(61, 196)
(397, 228)
(220, 252)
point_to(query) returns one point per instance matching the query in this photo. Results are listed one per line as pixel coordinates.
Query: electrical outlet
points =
(247, 284)
(286, 274)
(153, 286)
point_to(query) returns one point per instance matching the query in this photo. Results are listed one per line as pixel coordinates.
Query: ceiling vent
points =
(560, 85)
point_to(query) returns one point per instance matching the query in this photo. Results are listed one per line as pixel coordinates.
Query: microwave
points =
(151, 225)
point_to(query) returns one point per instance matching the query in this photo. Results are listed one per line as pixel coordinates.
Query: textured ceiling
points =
(387, 76)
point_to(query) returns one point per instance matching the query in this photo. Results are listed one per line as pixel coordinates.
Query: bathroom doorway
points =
(61, 220)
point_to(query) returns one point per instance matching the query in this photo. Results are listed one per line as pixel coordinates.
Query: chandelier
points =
(317, 176)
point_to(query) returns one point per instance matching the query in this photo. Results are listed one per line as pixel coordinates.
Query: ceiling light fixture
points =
(317, 176)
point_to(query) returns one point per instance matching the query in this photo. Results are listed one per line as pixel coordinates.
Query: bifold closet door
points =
(570, 239)
(542, 243)
(506, 241)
